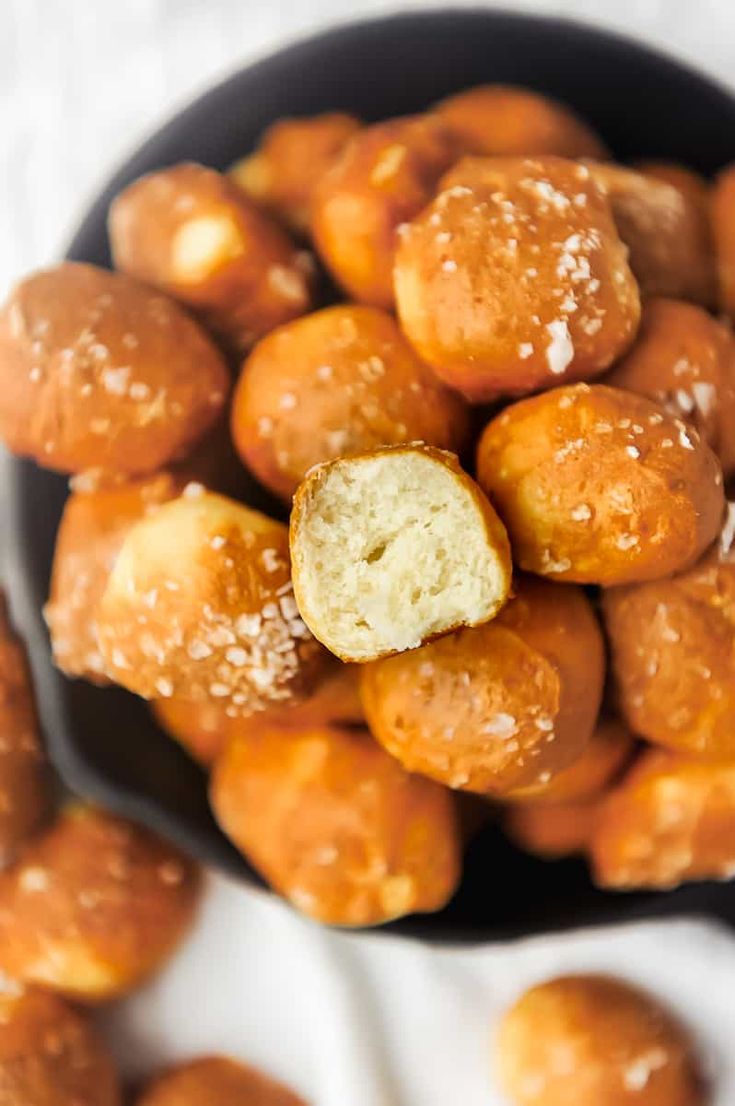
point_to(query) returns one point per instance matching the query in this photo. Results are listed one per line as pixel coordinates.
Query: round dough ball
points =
(384, 176)
(336, 826)
(596, 1040)
(216, 1081)
(514, 278)
(341, 381)
(600, 486)
(199, 605)
(94, 906)
(723, 226)
(499, 707)
(192, 232)
(610, 746)
(695, 188)
(100, 372)
(552, 831)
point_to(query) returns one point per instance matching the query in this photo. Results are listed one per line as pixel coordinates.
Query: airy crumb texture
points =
(216, 1081)
(392, 548)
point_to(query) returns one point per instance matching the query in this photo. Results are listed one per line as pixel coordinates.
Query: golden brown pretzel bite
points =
(216, 1081)
(696, 189)
(552, 830)
(610, 746)
(723, 226)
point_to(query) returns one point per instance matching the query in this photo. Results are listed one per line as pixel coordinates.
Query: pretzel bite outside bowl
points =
(393, 547)
(98, 371)
(600, 486)
(216, 1081)
(499, 707)
(341, 381)
(337, 826)
(723, 229)
(514, 278)
(193, 233)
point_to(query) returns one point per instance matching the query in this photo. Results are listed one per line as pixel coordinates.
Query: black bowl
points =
(645, 105)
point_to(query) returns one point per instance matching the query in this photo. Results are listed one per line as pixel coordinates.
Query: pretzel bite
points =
(552, 831)
(667, 234)
(600, 486)
(671, 820)
(500, 707)
(50, 1055)
(199, 605)
(383, 177)
(100, 372)
(610, 746)
(695, 188)
(292, 157)
(723, 226)
(341, 381)
(92, 529)
(685, 360)
(196, 235)
(336, 826)
(514, 278)
(94, 906)
(596, 1040)
(216, 1081)
(392, 548)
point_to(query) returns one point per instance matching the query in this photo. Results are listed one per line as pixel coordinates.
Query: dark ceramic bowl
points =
(645, 105)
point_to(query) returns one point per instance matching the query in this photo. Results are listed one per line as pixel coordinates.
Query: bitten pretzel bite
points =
(499, 707)
(196, 235)
(497, 119)
(723, 226)
(552, 831)
(610, 746)
(670, 820)
(199, 605)
(595, 1040)
(216, 1081)
(292, 157)
(94, 906)
(50, 1055)
(685, 360)
(341, 381)
(392, 548)
(514, 278)
(336, 826)
(384, 176)
(100, 372)
(600, 486)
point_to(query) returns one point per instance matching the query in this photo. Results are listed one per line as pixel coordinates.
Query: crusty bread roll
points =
(337, 826)
(602, 758)
(199, 605)
(94, 906)
(393, 547)
(597, 1041)
(196, 235)
(99, 372)
(499, 707)
(216, 1081)
(600, 486)
(723, 225)
(552, 830)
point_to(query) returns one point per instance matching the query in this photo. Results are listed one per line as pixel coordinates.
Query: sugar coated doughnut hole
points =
(595, 1039)
(199, 605)
(685, 360)
(337, 826)
(216, 1081)
(292, 157)
(195, 234)
(384, 176)
(600, 486)
(514, 278)
(497, 119)
(341, 381)
(99, 372)
(94, 906)
(552, 831)
(723, 224)
(500, 707)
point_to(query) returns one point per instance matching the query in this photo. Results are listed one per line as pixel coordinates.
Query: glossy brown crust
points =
(667, 233)
(671, 820)
(99, 372)
(502, 706)
(92, 529)
(199, 605)
(600, 486)
(552, 830)
(685, 360)
(195, 234)
(607, 751)
(723, 225)
(216, 1081)
(384, 176)
(50, 1055)
(595, 1039)
(336, 826)
(514, 278)
(696, 188)
(339, 382)
(502, 120)
(292, 157)
(94, 906)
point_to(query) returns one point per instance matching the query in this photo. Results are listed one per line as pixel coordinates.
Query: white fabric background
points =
(350, 1021)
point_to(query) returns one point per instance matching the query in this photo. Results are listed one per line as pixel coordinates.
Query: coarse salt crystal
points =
(560, 352)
